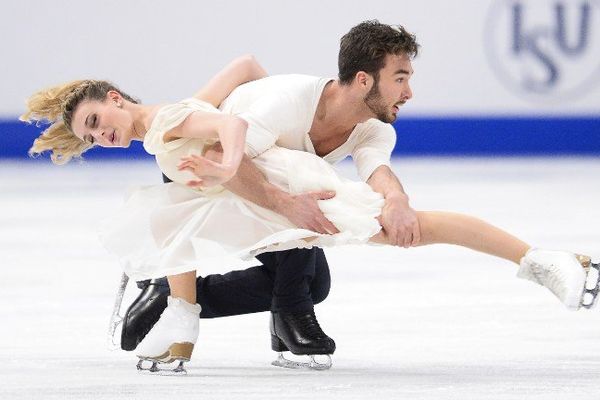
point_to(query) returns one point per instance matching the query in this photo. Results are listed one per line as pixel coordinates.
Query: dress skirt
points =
(168, 229)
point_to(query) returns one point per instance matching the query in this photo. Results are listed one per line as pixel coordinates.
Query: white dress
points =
(169, 229)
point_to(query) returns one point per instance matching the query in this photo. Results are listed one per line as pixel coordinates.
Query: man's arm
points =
(302, 210)
(398, 219)
(372, 157)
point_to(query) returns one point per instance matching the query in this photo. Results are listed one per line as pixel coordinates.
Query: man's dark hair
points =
(365, 47)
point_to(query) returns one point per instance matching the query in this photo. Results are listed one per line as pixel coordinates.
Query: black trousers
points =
(291, 280)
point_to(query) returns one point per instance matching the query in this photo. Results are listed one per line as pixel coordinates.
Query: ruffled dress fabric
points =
(169, 229)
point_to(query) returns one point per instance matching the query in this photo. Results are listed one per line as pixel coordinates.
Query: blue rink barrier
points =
(460, 136)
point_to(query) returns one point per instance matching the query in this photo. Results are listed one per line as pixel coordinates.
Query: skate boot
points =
(172, 338)
(300, 334)
(143, 313)
(565, 274)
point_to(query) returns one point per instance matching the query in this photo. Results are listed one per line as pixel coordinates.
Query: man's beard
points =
(374, 101)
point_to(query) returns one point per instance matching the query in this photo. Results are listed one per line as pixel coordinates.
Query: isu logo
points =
(546, 50)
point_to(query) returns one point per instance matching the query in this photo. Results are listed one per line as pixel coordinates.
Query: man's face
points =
(391, 90)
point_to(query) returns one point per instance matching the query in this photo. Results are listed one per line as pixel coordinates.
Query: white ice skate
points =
(172, 338)
(565, 274)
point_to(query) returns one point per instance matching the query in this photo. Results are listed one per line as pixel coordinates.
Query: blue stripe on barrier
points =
(416, 136)
(498, 136)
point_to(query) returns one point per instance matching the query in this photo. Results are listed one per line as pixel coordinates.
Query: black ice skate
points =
(300, 334)
(141, 315)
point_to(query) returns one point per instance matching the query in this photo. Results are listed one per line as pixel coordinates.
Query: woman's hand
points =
(209, 173)
(231, 132)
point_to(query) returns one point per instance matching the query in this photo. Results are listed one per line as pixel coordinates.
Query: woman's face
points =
(104, 123)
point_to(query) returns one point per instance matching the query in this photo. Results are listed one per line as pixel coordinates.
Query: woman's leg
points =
(563, 273)
(466, 231)
(183, 286)
(174, 335)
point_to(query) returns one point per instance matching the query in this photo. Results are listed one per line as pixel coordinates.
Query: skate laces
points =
(552, 277)
(559, 271)
(309, 325)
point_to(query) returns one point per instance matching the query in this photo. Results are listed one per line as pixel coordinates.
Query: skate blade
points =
(111, 342)
(116, 318)
(314, 364)
(592, 287)
(154, 369)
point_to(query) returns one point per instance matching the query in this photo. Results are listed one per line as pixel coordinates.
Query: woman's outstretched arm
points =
(241, 70)
(231, 133)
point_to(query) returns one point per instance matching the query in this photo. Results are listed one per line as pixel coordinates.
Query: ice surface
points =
(426, 323)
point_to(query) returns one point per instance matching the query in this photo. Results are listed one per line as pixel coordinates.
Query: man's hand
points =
(303, 211)
(400, 222)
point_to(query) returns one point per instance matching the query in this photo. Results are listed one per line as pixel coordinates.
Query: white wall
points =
(164, 50)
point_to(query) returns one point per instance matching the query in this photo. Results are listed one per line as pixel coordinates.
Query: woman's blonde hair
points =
(56, 105)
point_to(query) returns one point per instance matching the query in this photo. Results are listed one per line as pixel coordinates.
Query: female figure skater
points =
(169, 229)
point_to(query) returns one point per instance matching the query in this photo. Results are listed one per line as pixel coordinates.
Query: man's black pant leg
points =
(291, 280)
